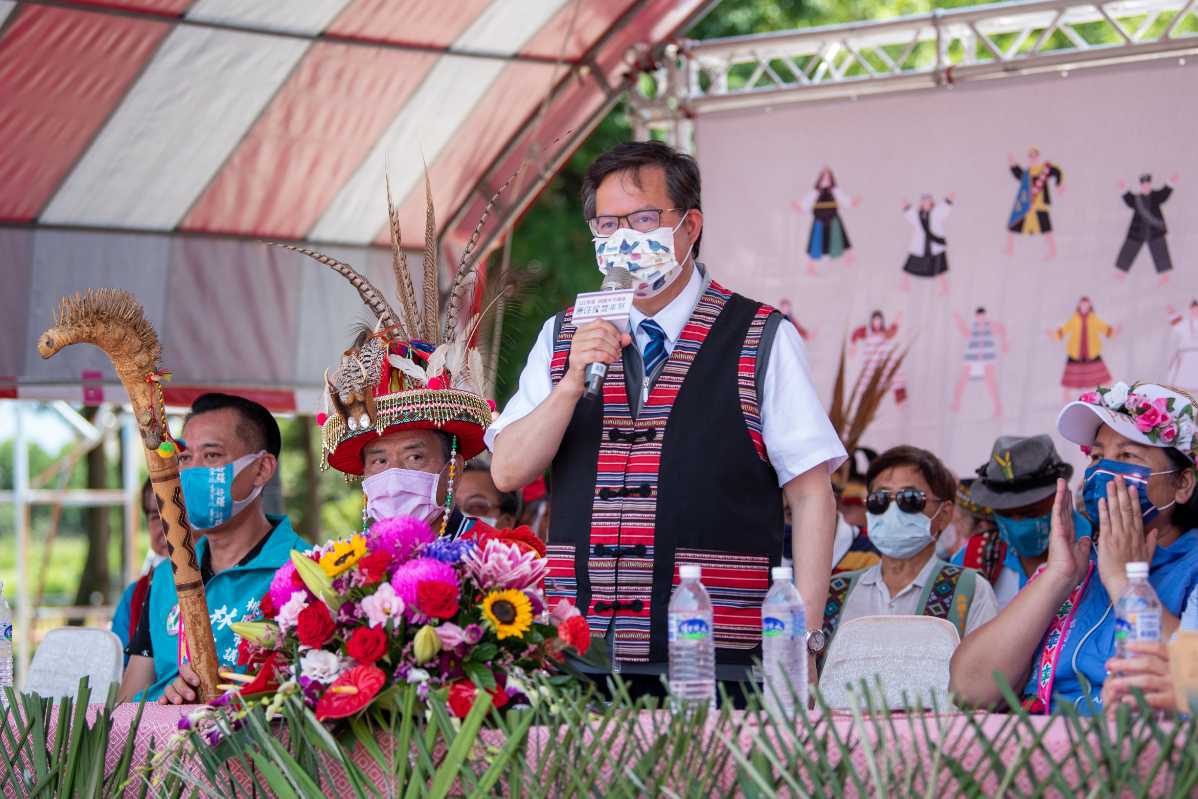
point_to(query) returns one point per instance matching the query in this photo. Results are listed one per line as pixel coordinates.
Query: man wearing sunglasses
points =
(910, 503)
(707, 417)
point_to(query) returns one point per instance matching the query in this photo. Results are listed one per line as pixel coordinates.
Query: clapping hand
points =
(1121, 538)
(1067, 558)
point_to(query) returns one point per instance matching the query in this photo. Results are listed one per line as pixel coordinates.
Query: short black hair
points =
(683, 181)
(258, 427)
(937, 475)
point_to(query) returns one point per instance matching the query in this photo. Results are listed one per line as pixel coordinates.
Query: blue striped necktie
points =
(655, 350)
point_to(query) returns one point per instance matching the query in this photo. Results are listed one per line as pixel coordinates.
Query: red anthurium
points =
(265, 681)
(351, 692)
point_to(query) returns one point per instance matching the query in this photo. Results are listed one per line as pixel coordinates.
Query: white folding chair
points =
(906, 653)
(69, 653)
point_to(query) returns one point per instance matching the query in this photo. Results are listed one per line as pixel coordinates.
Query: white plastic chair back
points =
(907, 653)
(69, 653)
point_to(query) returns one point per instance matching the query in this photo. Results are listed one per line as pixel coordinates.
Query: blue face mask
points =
(1104, 472)
(1029, 537)
(208, 492)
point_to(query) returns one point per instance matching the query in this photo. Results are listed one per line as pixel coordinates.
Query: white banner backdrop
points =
(858, 263)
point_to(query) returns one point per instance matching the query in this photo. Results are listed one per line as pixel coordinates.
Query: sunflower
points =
(343, 555)
(509, 612)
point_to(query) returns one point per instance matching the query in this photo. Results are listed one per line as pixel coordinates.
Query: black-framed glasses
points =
(909, 500)
(641, 221)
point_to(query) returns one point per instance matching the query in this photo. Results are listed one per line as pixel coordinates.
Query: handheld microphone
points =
(617, 279)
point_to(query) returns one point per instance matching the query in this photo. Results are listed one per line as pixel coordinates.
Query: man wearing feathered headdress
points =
(707, 417)
(404, 406)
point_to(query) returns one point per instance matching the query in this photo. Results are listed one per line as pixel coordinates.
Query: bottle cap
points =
(782, 573)
(690, 571)
(1137, 568)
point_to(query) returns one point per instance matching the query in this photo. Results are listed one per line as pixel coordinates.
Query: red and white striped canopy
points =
(152, 144)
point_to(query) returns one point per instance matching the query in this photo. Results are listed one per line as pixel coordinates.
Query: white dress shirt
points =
(798, 436)
(871, 597)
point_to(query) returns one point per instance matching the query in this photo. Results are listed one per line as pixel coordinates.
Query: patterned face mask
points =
(649, 257)
(1104, 472)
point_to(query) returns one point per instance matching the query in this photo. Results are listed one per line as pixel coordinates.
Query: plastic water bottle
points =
(5, 641)
(692, 647)
(1138, 611)
(784, 645)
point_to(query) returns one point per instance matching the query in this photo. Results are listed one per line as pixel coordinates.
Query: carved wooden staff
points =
(113, 321)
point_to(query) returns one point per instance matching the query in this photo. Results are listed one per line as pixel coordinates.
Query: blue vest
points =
(1173, 574)
(233, 595)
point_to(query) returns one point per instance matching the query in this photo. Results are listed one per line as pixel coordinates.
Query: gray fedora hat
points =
(1022, 470)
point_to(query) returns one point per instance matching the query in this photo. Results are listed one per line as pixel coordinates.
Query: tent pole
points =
(130, 442)
(23, 640)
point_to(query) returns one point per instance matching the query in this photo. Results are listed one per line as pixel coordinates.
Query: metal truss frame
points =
(916, 52)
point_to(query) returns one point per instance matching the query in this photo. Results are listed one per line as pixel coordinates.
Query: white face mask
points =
(402, 492)
(489, 521)
(897, 534)
(649, 257)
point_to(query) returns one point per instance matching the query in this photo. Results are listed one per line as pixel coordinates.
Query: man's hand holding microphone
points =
(598, 342)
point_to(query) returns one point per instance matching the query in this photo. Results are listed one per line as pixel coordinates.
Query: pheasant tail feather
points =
(399, 264)
(373, 298)
(431, 293)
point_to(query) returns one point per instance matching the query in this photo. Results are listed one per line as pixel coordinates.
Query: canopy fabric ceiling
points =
(129, 125)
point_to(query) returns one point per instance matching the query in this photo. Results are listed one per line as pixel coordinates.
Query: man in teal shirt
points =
(231, 451)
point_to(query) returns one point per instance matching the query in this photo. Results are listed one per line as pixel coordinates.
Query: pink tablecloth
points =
(882, 755)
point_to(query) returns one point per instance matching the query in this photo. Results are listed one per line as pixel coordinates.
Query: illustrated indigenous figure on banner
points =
(983, 339)
(927, 251)
(1183, 363)
(1030, 213)
(877, 341)
(1083, 335)
(828, 237)
(787, 310)
(1147, 227)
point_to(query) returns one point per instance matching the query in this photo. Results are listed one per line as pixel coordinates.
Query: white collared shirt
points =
(798, 436)
(871, 597)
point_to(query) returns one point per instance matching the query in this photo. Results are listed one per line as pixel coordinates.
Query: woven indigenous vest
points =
(948, 595)
(685, 481)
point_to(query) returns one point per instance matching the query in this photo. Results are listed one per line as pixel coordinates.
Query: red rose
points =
(461, 698)
(522, 537)
(374, 566)
(267, 606)
(367, 644)
(315, 625)
(437, 599)
(576, 633)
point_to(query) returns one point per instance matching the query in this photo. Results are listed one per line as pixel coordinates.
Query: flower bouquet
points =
(343, 622)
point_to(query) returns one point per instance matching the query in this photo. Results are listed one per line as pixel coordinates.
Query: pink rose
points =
(1149, 419)
(563, 610)
(1090, 398)
(1134, 401)
(1162, 405)
(1168, 433)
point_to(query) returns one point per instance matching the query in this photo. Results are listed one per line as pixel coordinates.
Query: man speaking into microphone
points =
(705, 421)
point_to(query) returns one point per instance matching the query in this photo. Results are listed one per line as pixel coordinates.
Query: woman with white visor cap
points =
(1055, 637)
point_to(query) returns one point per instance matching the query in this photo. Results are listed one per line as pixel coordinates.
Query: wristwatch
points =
(816, 641)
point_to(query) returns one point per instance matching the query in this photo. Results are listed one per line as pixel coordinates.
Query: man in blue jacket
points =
(231, 451)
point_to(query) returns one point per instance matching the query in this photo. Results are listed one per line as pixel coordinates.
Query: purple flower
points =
(448, 550)
(399, 536)
(474, 634)
(184, 723)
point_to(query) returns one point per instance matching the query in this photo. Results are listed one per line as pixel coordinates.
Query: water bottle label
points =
(772, 627)
(693, 629)
(1138, 627)
(8, 632)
